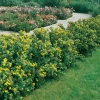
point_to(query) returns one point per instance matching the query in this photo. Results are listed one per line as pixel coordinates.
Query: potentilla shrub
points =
(27, 61)
(45, 55)
(94, 24)
(61, 38)
(16, 71)
(86, 34)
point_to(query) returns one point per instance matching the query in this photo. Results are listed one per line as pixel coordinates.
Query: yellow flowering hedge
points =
(26, 61)
(61, 39)
(86, 34)
(16, 71)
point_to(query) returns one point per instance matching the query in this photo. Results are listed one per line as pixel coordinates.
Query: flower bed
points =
(17, 21)
(26, 61)
(26, 19)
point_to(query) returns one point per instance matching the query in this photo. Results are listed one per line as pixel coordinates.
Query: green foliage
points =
(63, 13)
(83, 38)
(26, 22)
(9, 2)
(14, 22)
(53, 3)
(69, 52)
(27, 61)
(32, 4)
(17, 72)
(81, 6)
(96, 11)
(27, 0)
(26, 19)
(71, 82)
(86, 34)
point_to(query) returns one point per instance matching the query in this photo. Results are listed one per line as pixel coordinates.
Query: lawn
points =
(81, 82)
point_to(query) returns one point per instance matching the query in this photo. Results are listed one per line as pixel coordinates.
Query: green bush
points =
(81, 6)
(63, 13)
(96, 11)
(27, 61)
(60, 39)
(86, 34)
(9, 2)
(26, 19)
(84, 37)
(16, 71)
(58, 3)
(32, 4)
(18, 25)
(26, 22)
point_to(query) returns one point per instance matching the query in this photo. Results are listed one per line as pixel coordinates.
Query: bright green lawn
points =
(78, 83)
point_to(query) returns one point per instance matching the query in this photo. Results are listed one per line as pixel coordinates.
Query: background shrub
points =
(96, 11)
(52, 3)
(9, 2)
(30, 4)
(81, 6)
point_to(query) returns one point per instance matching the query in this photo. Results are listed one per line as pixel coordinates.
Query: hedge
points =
(26, 61)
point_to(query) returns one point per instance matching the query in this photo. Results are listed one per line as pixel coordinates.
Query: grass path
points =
(78, 83)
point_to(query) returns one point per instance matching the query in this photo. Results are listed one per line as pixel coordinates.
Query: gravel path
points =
(75, 17)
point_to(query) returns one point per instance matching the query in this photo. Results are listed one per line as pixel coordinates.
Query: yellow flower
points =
(10, 64)
(20, 75)
(8, 52)
(33, 84)
(6, 69)
(17, 53)
(41, 69)
(29, 74)
(34, 64)
(21, 97)
(44, 73)
(7, 83)
(72, 42)
(6, 91)
(18, 67)
(9, 88)
(22, 52)
(14, 89)
(70, 49)
(55, 69)
(0, 71)
(68, 44)
(5, 60)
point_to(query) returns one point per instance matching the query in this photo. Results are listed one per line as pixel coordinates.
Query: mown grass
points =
(81, 82)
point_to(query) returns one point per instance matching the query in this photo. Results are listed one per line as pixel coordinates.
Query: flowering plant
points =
(26, 61)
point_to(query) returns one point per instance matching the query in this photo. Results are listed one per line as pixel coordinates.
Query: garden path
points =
(75, 17)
